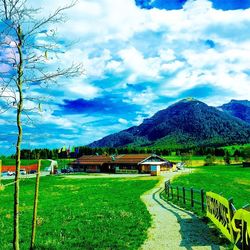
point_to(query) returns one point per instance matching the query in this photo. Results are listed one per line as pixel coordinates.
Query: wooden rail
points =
(233, 223)
(186, 195)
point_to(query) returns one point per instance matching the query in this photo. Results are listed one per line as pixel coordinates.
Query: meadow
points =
(79, 213)
(227, 180)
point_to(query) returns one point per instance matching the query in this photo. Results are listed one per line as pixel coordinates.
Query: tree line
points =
(45, 153)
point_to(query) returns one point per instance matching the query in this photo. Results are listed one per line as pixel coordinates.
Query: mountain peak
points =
(189, 99)
(243, 102)
(188, 122)
(238, 108)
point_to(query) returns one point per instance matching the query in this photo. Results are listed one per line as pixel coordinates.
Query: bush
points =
(209, 160)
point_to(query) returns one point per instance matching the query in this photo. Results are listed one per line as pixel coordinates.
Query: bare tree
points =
(24, 63)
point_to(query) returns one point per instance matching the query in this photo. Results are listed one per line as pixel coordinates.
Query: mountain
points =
(239, 109)
(188, 122)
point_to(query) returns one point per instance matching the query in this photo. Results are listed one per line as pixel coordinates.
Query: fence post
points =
(167, 188)
(184, 198)
(172, 192)
(34, 220)
(202, 200)
(231, 205)
(178, 196)
(192, 197)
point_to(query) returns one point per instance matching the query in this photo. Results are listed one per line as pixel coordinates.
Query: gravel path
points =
(174, 228)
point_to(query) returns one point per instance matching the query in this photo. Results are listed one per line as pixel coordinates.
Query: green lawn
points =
(12, 162)
(80, 213)
(231, 181)
(176, 158)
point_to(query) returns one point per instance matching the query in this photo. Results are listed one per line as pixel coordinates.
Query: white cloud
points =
(122, 121)
(82, 89)
(142, 98)
(106, 34)
(140, 66)
(98, 21)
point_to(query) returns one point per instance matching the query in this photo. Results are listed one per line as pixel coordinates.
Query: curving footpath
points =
(174, 228)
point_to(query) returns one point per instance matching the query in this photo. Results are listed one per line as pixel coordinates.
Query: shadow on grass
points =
(194, 232)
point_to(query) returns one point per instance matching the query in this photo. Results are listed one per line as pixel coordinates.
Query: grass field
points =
(12, 162)
(231, 181)
(80, 213)
(197, 161)
(177, 158)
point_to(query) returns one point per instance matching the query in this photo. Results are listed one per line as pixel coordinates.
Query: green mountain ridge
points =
(186, 123)
(238, 108)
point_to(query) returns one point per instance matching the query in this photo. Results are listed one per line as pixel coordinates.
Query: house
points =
(111, 164)
(92, 163)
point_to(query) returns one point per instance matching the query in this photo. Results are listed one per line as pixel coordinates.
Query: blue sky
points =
(139, 57)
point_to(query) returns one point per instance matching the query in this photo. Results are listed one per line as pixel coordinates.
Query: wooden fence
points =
(233, 223)
(194, 197)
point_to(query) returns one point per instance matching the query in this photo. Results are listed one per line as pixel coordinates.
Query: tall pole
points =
(34, 221)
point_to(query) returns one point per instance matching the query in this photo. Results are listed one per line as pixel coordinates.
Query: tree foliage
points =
(24, 63)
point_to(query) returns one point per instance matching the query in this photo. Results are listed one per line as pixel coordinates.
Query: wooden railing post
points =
(202, 200)
(184, 196)
(167, 188)
(34, 221)
(231, 205)
(178, 196)
(192, 197)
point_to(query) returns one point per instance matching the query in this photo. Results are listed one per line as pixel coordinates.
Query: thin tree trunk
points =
(34, 221)
(19, 140)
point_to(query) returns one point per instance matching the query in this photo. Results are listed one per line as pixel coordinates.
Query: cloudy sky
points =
(139, 56)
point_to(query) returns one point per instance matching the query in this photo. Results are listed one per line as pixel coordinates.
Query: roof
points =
(93, 159)
(118, 159)
(131, 158)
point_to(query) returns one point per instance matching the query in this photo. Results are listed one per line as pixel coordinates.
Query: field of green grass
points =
(230, 181)
(197, 161)
(79, 213)
(178, 158)
(12, 162)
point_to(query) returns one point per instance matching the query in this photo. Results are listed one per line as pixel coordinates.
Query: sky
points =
(139, 57)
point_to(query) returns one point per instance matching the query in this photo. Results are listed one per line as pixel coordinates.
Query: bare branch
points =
(55, 17)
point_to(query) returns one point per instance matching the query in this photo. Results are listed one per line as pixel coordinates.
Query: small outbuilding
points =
(118, 163)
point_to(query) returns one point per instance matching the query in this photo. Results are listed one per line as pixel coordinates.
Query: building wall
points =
(145, 168)
(13, 168)
(93, 169)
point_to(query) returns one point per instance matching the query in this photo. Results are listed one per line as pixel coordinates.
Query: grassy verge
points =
(80, 213)
(230, 181)
(12, 162)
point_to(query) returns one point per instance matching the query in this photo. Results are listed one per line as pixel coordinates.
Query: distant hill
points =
(188, 122)
(239, 109)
